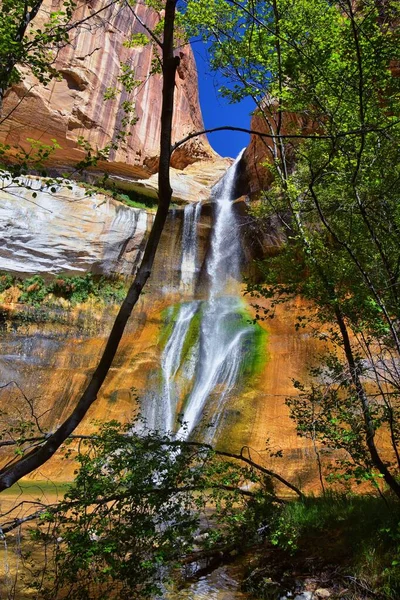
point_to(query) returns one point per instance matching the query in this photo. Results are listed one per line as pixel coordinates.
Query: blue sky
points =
(217, 111)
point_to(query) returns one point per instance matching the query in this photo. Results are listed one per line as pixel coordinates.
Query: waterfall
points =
(207, 339)
(191, 217)
(225, 244)
(220, 348)
(171, 360)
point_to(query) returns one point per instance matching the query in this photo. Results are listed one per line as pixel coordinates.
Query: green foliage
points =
(80, 288)
(127, 78)
(359, 532)
(136, 40)
(323, 71)
(136, 509)
(6, 281)
(28, 161)
(131, 198)
(76, 289)
(34, 290)
(35, 48)
(136, 200)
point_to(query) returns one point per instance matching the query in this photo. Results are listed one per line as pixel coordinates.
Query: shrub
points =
(34, 290)
(6, 281)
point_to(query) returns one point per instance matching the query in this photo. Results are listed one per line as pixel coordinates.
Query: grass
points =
(136, 200)
(355, 536)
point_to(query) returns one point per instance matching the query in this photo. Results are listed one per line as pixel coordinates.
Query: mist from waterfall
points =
(207, 339)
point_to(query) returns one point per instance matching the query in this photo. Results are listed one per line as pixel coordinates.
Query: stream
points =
(221, 584)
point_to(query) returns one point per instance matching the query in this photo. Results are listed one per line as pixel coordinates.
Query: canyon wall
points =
(256, 176)
(52, 361)
(50, 228)
(59, 229)
(72, 106)
(49, 351)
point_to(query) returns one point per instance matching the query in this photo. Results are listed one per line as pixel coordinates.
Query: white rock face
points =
(67, 231)
(191, 185)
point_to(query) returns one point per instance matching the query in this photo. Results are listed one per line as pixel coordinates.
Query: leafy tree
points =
(25, 45)
(322, 75)
(140, 508)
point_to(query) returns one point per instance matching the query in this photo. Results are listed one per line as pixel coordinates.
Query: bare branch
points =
(360, 131)
(143, 24)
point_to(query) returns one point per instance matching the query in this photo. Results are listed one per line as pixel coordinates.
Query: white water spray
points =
(170, 362)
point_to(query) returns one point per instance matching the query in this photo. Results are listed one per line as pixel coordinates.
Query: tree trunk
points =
(38, 456)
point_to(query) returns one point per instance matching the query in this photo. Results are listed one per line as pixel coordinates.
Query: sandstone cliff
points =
(52, 361)
(73, 106)
(256, 176)
(67, 231)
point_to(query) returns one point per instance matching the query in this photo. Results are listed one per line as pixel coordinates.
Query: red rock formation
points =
(256, 175)
(74, 105)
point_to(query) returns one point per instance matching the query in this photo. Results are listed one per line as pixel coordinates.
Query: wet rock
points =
(191, 185)
(304, 596)
(271, 590)
(68, 231)
(322, 593)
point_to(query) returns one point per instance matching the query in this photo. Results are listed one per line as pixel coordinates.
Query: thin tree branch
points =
(368, 129)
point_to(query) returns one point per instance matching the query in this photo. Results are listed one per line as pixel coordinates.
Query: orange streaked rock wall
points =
(53, 362)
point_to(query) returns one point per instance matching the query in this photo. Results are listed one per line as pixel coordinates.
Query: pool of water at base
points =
(220, 584)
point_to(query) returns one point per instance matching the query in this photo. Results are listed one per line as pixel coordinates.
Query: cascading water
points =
(208, 340)
(191, 218)
(170, 363)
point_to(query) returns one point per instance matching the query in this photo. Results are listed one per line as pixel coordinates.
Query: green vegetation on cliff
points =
(192, 335)
(255, 351)
(76, 289)
(168, 317)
